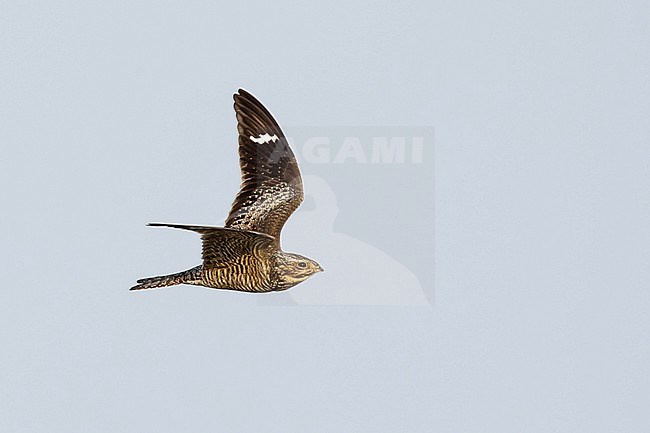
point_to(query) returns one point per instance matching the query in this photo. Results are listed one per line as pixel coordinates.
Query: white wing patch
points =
(265, 138)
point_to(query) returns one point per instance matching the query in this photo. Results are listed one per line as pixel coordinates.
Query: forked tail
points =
(191, 276)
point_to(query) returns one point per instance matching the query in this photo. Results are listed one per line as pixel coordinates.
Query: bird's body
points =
(245, 255)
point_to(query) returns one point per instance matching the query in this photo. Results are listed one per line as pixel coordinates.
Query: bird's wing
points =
(271, 186)
(225, 246)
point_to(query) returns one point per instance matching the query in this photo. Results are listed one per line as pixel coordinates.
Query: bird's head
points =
(294, 268)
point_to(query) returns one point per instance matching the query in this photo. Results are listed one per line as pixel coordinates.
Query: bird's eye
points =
(302, 264)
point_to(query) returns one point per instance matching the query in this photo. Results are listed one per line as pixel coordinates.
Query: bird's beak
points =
(320, 268)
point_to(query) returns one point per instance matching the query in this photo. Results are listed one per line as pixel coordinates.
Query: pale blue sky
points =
(114, 114)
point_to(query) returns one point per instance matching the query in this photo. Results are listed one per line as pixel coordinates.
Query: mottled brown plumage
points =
(245, 255)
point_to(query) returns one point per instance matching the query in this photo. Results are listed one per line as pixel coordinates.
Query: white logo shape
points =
(263, 139)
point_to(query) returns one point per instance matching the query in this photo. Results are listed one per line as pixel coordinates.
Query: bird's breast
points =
(246, 276)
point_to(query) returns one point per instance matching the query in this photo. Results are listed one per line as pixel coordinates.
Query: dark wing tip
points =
(244, 94)
(253, 118)
(243, 97)
(160, 225)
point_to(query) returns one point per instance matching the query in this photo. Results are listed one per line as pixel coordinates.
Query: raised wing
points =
(225, 246)
(271, 186)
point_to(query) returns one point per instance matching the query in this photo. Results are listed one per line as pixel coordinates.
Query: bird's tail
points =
(191, 276)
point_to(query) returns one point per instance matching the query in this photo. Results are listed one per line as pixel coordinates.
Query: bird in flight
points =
(245, 255)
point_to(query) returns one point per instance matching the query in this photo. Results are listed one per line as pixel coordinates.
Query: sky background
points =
(114, 114)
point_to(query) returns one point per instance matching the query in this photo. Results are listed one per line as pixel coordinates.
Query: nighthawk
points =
(245, 255)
